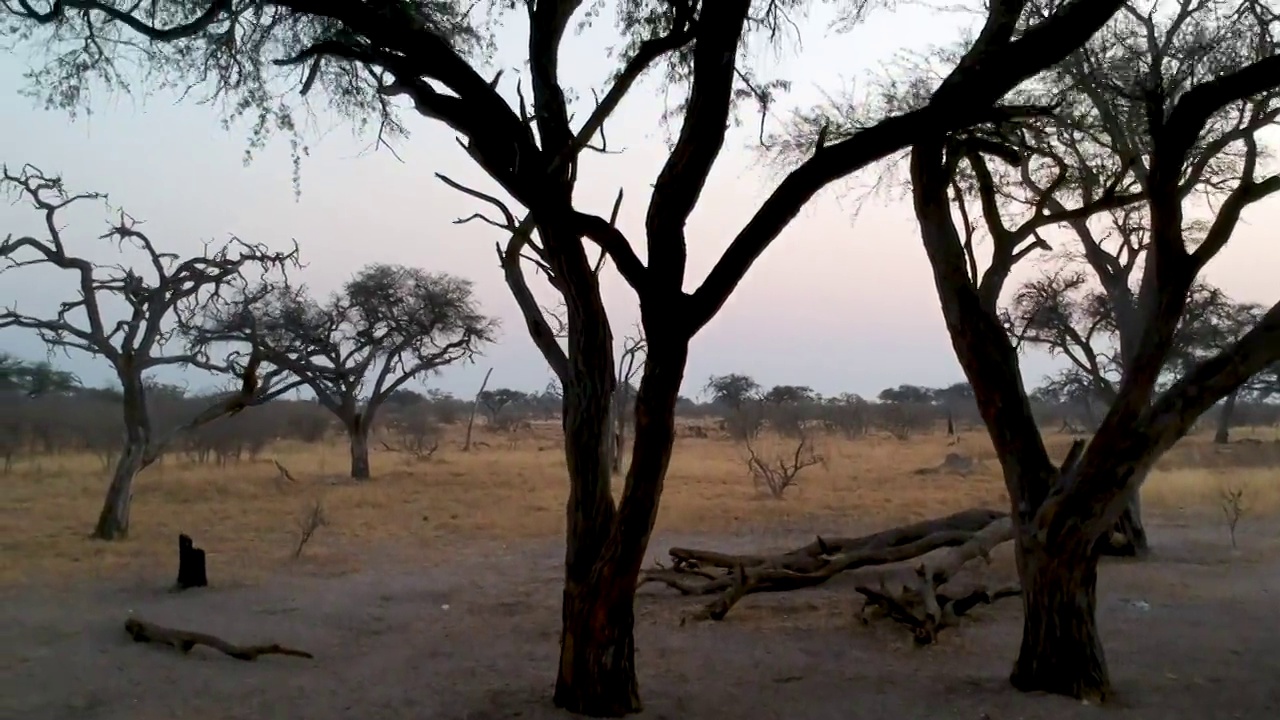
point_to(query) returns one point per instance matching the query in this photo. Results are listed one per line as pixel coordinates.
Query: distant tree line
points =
(46, 411)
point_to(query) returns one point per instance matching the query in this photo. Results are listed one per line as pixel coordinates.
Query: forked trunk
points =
(1223, 434)
(1061, 652)
(113, 521)
(597, 674)
(359, 434)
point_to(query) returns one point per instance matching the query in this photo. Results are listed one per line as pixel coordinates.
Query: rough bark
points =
(597, 674)
(1223, 434)
(1061, 651)
(1129, 537)
(113, 520)
(358, 434)
(597, 654)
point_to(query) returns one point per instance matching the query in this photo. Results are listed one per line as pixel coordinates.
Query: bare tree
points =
(630, 361)
(1059, 515)
(388, 325)
(153, 303)
(778, 473)
(475, 405)
(366, 55)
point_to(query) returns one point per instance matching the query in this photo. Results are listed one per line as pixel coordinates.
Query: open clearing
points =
(434, 592)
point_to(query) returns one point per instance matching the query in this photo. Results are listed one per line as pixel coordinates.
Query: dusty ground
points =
(476, 638)
(480, 534)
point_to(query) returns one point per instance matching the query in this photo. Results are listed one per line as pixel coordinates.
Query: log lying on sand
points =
(905, 571)
(923, 596)
(183, 640)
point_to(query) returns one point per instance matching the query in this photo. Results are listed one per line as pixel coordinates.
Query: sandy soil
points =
(1190, 634)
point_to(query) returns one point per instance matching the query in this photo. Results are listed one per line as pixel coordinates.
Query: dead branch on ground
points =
(284, 473)
(906, 571)
(184, 640)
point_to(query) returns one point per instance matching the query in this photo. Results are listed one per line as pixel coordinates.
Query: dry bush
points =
(778, 471)
(905, 419)
(1233, 508)
(414, 431)
(312, 518)
(745, 422)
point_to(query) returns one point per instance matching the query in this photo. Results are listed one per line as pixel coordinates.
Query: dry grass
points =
(245, 515)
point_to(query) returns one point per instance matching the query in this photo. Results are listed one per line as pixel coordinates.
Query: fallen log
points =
(813, 556)
(923, 597)
(184, 640)
(734, 577)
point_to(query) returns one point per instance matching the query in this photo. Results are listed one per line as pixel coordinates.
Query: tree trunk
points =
(1223, 434)
(359, 434)
(618, 433)
(1061, 652)
(475, 405)
(113, 521)
(597, 674)
(1129, 536)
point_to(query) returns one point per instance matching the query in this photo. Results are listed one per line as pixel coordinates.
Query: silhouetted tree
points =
(154, 301)
(1221, 61)
(389, 324)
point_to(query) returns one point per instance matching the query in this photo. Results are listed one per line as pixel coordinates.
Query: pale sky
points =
(842, 304)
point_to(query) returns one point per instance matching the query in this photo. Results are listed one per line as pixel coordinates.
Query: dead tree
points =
(192, 567)
(1058, 517)
(630, 360)
(156, 291)
(885, 566)
(184, 640)
(776, 474)
(367, 55)
(475, 407)
(388, 325)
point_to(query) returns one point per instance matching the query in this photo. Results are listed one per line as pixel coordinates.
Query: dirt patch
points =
(1190, 634)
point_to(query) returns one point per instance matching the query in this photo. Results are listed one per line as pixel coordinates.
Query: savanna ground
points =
(433, 591)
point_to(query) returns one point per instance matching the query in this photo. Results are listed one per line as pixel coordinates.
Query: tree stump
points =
(191, 565)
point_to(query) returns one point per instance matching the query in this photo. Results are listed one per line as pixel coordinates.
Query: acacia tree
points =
(34, 379)
(1104, 120)
(1218, 324)
(377, 58)
(388, 325)
(1066, 313)
(136, 341)
(1059, 516)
